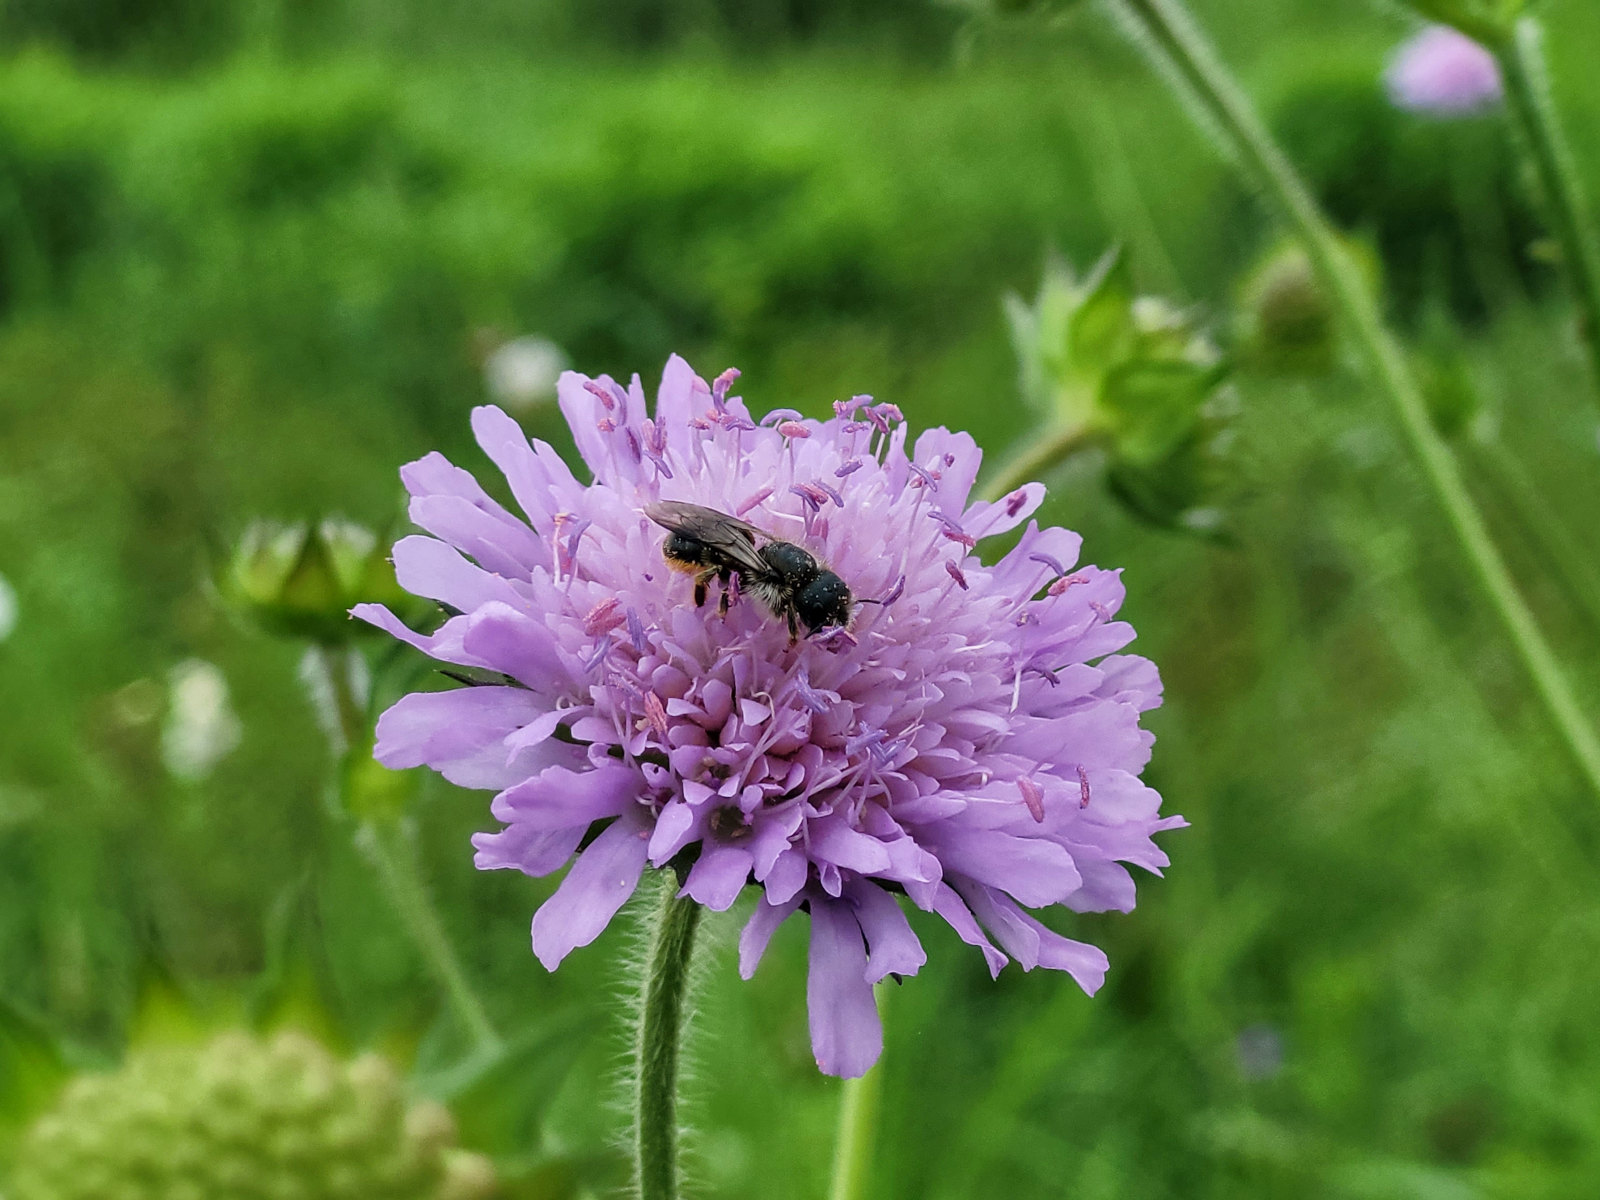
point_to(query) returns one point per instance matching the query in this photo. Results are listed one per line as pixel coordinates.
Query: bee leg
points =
(700, 582)
(794, 629)
(724, 577)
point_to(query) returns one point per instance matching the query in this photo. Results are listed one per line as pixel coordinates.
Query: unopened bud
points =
(301, 581)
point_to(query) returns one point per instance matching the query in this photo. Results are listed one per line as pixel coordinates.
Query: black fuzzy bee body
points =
(786, 578)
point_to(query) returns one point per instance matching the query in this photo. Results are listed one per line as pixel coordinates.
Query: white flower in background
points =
(201, 727)
(8, 609)
(522, 373)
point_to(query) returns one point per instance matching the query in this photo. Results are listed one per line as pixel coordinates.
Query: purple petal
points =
(495, 546)
(675, 397)
(718, 876)
(1035, 871)
(599, 883)
(949, 905)
(894, 949)
(1033, 945)
(539, 480)
(676, 826)
(557, 798)
(758, 932)
(985, 519)
(837, 843)
(846, 1035)
(427, 567)
(788, 875)
(530, 851)
(460, 734)
(511, 641)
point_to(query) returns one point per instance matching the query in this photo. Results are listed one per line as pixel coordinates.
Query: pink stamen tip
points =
(793, 429)
(956, 574)
(1032, 796)
(1064, 583)
(604, 617)
(752, 502)
(655, 714)
(1083, 787)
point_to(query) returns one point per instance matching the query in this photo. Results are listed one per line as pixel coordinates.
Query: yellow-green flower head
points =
(239, 1118)
(1286, 321)
(302, 580)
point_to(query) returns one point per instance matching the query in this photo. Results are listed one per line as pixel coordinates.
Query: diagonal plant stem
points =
(389, 846)
(387, 843)
(1037, 459)
(1521, 59)
(1168, 34)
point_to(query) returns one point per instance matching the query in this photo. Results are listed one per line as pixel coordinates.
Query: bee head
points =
(823, 602)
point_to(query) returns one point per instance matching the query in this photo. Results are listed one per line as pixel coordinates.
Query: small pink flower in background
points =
(1443, 72)
(971, 742)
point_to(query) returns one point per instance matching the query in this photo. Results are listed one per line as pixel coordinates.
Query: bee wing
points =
(727, 535)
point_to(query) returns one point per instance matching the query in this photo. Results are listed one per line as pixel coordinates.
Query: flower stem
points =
(387, 843)
(1170, 36)
(858, 1123)
(1037, 459)
(665, 997)
(1543, 525)
(1521, 59)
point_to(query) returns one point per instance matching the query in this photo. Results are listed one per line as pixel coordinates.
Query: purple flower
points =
(1443, 72)
(971, 742)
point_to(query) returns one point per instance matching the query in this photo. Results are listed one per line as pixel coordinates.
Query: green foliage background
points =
(248, 253)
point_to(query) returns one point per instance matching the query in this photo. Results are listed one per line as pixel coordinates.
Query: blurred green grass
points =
(257, 285)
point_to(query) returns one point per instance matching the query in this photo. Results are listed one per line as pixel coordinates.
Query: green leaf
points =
(500, 1100)
(1101, 332)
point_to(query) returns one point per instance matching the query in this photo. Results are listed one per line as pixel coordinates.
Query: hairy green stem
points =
(1167, 32)
(387, 843)
(666, 987)
(858, 1126)
(1521, 59)
(1050, 450)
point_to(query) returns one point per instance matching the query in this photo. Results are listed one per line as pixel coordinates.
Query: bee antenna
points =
(894, 593)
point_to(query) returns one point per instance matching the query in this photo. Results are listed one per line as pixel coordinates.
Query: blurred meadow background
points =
(256, 255)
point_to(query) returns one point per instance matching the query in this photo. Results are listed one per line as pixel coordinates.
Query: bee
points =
(786, 578)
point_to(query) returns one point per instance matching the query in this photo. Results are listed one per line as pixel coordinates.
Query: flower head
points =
(1443, 72)
(522, 373)
(240, 1116)
(970, 741)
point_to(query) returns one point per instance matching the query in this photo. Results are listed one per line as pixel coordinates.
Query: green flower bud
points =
(1130, 373)
(239, 1116)
(1286, 323)
(301, 581)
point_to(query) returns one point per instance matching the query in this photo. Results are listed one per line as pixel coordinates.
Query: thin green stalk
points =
(666, 986)
(858, 1127)
(1544, 526)
(1036, 460)
(387, 844)
(1172, 38)
(1521, 59)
